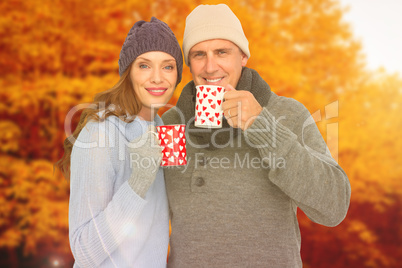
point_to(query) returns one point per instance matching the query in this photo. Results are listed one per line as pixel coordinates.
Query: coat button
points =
(199, 181)
(204, 161)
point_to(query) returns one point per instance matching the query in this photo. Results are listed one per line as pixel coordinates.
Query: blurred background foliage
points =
(55, 55)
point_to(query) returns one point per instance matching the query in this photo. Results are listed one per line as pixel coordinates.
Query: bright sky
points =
(378, 25)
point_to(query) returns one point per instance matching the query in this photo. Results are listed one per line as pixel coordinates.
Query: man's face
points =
(216, 62)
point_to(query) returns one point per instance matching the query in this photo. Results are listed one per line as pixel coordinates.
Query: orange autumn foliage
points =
(55, 55)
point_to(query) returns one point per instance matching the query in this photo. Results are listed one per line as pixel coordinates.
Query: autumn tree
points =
(55, 55)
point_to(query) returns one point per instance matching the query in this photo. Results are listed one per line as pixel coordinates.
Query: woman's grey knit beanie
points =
(150, 36)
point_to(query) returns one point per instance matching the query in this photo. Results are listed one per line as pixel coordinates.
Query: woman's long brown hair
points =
(125, 106)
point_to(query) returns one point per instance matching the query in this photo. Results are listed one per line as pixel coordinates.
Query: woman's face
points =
(154, 76)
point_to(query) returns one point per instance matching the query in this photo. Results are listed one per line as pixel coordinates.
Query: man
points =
(234, 204)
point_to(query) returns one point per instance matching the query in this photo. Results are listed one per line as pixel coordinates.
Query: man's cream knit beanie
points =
(208, 22)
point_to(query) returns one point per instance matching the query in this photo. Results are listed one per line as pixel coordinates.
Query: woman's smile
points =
(156, 91)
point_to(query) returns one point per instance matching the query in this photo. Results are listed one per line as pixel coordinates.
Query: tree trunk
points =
(12, 257)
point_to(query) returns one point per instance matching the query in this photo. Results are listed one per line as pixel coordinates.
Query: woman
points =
(118, 211)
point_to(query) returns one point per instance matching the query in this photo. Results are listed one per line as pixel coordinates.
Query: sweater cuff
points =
(267, 134)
